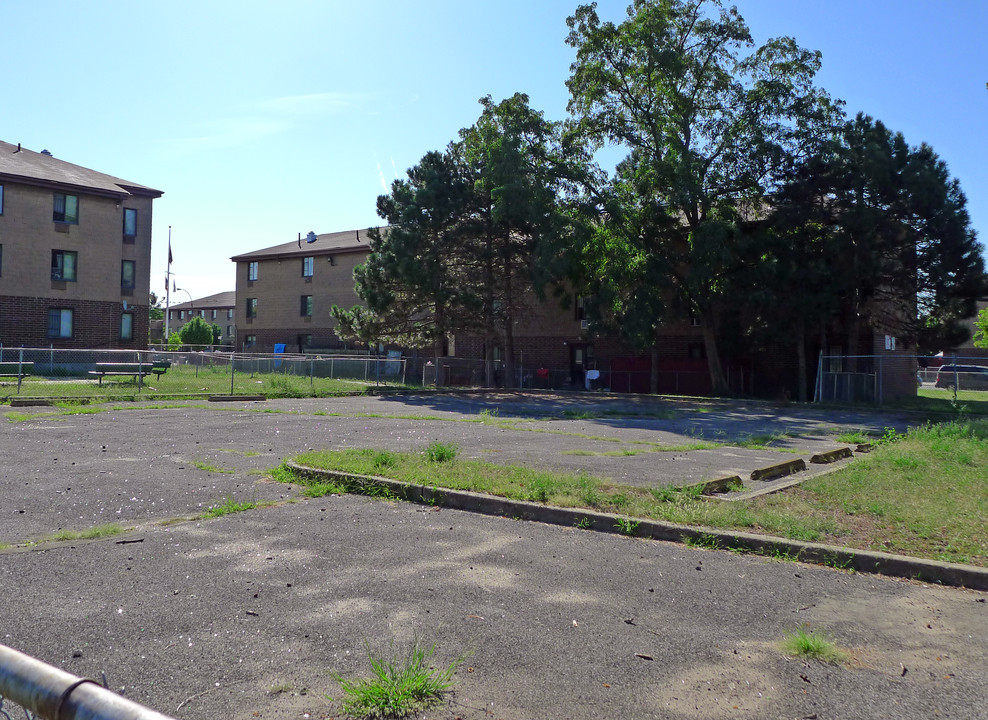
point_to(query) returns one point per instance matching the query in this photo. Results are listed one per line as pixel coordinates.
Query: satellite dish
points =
(311, 237)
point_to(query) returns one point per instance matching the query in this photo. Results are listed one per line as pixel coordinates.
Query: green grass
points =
(399, 686)
(93, 533)
(210, 468)
(923, 494)
(183, 381)
(813, 645)
(228, 507)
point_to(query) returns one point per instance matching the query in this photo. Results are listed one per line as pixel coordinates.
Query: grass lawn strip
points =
(924, 494)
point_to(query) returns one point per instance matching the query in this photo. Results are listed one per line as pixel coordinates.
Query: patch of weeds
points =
(588, 491)
(541, 488)
(735, 486)
(813, 645)
(321, 489)
(439, 452)
(384, 459)
(283, 474)
(619, 501)
(587, 453)
(838, 564)
(489, 413)
(627, 526)
(889, 437)
(93, 533)
(705, 541)
(399, 686)
(584, 523)
(228, 507)
(579, 414)
(857, 437)
(211, 468)
(782, 555)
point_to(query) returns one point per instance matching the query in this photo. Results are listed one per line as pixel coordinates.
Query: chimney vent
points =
(46, 152)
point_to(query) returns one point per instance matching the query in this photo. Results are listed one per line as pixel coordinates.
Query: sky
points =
(263, 120)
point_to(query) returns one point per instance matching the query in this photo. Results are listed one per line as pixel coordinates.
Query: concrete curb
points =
(865, 561)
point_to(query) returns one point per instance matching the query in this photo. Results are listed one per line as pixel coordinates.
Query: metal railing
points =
(44, 691)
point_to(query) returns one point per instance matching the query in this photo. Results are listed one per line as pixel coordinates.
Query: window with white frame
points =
(252, 271)
(307, 265)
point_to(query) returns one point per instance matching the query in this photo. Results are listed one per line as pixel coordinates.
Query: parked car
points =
(967, 377)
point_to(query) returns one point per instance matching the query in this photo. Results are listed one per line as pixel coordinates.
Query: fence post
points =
(20, 370)
(312, 373)
(232, 370)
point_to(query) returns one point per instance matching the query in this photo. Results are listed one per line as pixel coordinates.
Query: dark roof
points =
(41, 168)
(325, 244)
(223, 299)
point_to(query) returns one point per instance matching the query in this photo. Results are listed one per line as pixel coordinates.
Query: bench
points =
(102, 370)
(158, 367)
(15, 369)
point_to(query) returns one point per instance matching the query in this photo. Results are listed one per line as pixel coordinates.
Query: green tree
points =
(174, 341)
(981, 329)
(155, 311)
(520, 173)
(709, 127)
(196, 332)
(415, 282)
(893, 234)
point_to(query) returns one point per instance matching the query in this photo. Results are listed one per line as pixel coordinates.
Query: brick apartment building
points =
(218, 309)
(75, 254)
(285, 293)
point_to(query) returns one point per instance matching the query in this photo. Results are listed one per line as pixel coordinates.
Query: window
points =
(63, 265)
(127, 326)
(251, 341)
(181, 314)
(1, 199)
(202, 314)
(252, 271)
(59, 323)
(127, 274)
(229, 330)
(66, 209)
(252, 307)
(307, 264)
(130, 223)
(305, 309)
(580, 304)
(229, 314)
(213, 317)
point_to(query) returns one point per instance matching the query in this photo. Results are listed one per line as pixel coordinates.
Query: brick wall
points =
(96, 324)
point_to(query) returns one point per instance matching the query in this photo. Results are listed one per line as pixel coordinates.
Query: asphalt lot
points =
(250, 615)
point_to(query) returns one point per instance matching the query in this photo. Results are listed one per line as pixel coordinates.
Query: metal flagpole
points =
(168, 273)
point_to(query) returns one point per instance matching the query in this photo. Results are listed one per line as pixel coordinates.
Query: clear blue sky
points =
(262, 120)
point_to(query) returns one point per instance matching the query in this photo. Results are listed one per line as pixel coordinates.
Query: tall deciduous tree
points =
(709, 123)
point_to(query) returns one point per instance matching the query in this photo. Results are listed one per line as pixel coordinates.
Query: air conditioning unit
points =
(584, 324)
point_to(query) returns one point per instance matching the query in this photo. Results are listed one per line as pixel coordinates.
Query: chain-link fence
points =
(52, 372)
(882, 378)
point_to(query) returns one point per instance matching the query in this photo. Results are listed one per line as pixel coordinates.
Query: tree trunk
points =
(509, 333)
(653, 377)
(718, 382)
(801, 360)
